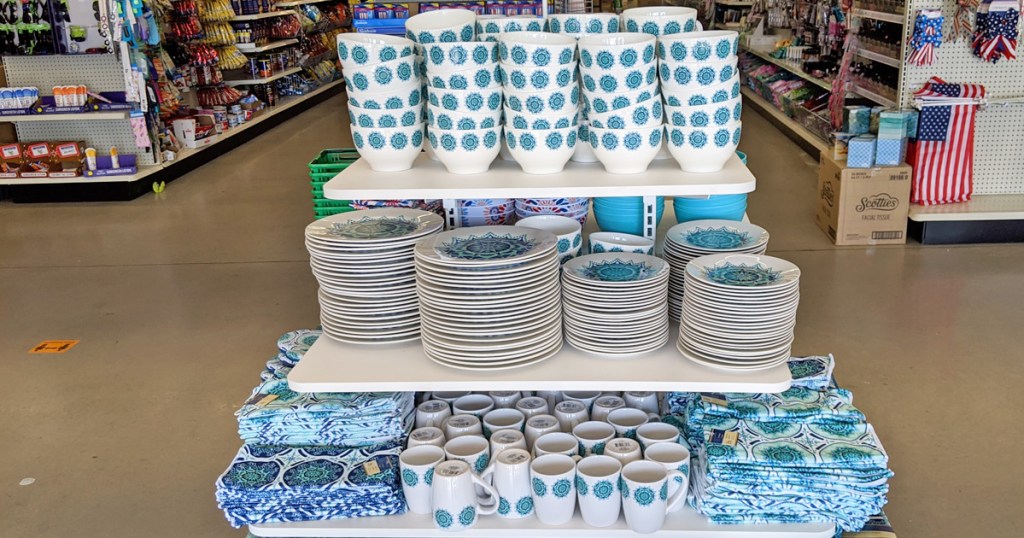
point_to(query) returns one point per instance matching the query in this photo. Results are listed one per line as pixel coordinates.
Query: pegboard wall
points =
(100, 72)
(999, 129)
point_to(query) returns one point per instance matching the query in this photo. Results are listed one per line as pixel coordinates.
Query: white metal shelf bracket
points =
(451, 216)
(650, 216)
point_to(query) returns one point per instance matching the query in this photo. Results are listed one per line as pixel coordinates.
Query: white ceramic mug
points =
(556, 443)
(477, 405)
(674, 457)
(538, 425)
(506, 439)
(533, 406)
(586, 397)
(510, 475)
(604, 405)
(472, 449)
(553, 479)
(454, 498)
(432, 413)
(417, 466)
(571, 413)
(593, 436)
(653, 433)
(459, 425)
(427, 436)
(626, 420)
(505, 398)
(449, 396)
(645, 498)
(597, 488)
(552, 397)
(624, 450)
(645, 401)
(503, 419)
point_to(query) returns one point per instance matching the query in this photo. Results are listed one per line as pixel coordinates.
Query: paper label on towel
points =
(371, 468)
(716, 398)
(722, 437)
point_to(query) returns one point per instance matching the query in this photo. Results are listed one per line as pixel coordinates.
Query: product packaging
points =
(10, 160)
(67, 159)
(37, 159)
(840, 145)
(857, 120)
(876, 113)
(863, 206)
(890, 151)
(861, 152)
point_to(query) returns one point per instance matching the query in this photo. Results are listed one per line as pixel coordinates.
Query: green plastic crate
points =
(321, 178)
(322, 212)
(322, 203)
(333, 161)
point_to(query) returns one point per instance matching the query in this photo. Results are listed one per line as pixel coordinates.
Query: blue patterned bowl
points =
(698, 47)
(536, 49)
(659, 21)
(600, 103)
(646, 114)
(397, 98)
(388, 150)
(703, 150)
(624, 215)
(679, 76)
(480, 101)
(582, 24)
(626, 151)
(358, 50)
(457, 120)
(620, 242)
(387, 119)
(441, 26)
(616, 51)
(567, 230)
(720, 114)
(704, 95)
(466, 152)
(562, 101)
(542, 152)
(488, 37)
(537, 122)
(536, 79)
(524, 23)
(447, 57)
(480, 78)
(742, 156)
(488, 24)
(639, 78)
(382, 76)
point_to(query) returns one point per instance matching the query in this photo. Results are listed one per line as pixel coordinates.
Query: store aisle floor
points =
(177, 300)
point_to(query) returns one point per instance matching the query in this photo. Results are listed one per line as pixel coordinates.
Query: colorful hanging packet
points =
(995, 33)
(927, 37)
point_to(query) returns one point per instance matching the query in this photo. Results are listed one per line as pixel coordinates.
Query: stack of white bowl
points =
(487, 212)
(580, 25)
(385, 101)
(490, 27)
(541, 99)
(620, 91)
(700, 82)
(574, 208)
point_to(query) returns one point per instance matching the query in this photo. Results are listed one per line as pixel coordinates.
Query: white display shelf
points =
(264, 80)
(251, 47)
(879, 15)
(686, 523)
(980, 207)
(880, 58)
(878, 98)
(790, 123)
(791, 66)
(262, 15)
(80, 116)
(428, 179)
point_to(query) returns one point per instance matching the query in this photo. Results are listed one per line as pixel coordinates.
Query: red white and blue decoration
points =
(926, 38)
(995, 33)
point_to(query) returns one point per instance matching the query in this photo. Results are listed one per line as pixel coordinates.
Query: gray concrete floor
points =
(177, 299)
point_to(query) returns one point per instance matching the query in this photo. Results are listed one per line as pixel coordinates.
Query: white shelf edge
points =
(878, 98)
(897, 18)
(811, 138)
(81, 116)
(686, 523)
(258, 16)
(880, 58)
(251, 47)
(265, 80)
(980, 207)
(791, 66)
(143, 171)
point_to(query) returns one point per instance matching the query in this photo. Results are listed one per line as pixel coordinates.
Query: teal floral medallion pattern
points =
(617, 271)
(525, 506)
(373, 228)
(643, 496)
(489, 246)
(742, 274)
(562, 488)
(467, 516)
(443, 519)
(503, 506)
(410, 478)
(604, 489)
(717, 238)
(539, 488)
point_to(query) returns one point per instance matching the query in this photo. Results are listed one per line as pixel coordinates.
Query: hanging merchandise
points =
(996, 33)
(927, 37)
(943, 156)
(961, 27)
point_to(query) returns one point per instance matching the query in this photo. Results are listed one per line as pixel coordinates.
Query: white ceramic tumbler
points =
(417, 467)
(645, 498)
(454, 498)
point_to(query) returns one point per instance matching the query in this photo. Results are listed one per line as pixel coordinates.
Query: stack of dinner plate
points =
(614, 303)
(697, 238)
(363, 261)
(489, 297)
(739, 311)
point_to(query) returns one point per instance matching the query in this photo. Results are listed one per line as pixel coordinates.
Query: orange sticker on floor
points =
(53, 346)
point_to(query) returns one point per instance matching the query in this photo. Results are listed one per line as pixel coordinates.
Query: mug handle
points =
(491, 495)
(679, 495)
(486, 474)
(700, 25)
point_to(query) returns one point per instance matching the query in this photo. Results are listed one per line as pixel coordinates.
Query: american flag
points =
(943, 158)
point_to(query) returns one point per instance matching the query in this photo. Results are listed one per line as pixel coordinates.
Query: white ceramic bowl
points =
(388, 150)
(694, 47)
(441, 26)
(659, 21)
(383, 76)
(466, 152)
(649, 113)
(567, 230)
(397, 98)
(703, 150)
(356, 50)
(542, 152)
(616, 51)
(704, 95)
(525, 120)
(584, 153)
(638, 78)
(457, 120)
(719, 114)
(599, 103)
(479, 101)
(620, 242)
(683, 76)
(554, 102)
(446, 57)
(581, 24)
(537, 49)
(478, 78)
(524, 23)
(488, 37)
(488, 24)
(387, 119)
(535, 79)
(626, 151)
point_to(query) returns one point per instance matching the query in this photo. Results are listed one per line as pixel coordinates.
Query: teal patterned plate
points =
(486, 246)
(617, 269)
(374, 226)
(742, 272)
(712, 236)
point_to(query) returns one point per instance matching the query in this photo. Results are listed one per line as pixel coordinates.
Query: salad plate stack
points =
(574, 208)
(489, 297)
(363, 261)
(690, 240)
(614, 303)
(739, 311)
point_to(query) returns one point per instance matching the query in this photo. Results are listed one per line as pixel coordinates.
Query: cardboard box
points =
(863, 206)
